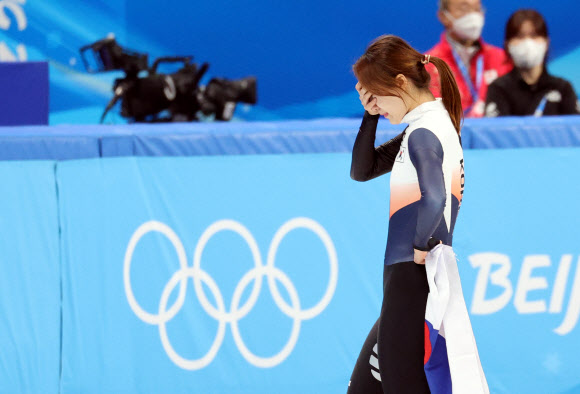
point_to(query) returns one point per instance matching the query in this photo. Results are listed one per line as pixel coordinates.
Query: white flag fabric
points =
(452, 364)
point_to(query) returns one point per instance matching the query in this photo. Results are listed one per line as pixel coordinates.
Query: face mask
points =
(528, 53)
(469, 26)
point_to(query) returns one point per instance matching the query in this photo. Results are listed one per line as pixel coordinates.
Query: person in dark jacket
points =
(529, 89)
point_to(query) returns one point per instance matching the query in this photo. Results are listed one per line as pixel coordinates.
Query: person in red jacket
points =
(474, 63)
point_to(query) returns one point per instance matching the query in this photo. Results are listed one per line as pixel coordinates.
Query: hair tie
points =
(426, 59)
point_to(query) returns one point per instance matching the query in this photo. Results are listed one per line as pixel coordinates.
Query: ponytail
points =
(449, 92)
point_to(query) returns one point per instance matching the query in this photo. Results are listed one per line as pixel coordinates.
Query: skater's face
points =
(392, 108)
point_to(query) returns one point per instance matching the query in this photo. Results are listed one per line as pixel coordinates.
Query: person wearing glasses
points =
(529, 89)
(474, 63)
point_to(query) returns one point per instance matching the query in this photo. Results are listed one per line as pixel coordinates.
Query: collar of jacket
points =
(542, 81)
(419, 111)
(446, 46)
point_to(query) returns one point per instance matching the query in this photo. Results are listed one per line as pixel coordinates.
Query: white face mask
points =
(529, 53)
(469, 26)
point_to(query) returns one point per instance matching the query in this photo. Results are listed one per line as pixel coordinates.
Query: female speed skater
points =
(426, 189)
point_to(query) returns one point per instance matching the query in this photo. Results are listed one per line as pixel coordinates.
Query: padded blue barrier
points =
(316, 136)
(51, 143)
(30, 278)
(523, 132)
(93, 257)
(133, 231)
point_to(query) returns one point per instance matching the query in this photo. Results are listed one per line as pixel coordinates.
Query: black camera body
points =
(221, 95)
(158, 97)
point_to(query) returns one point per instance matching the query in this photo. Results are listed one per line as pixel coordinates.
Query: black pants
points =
(398, 337)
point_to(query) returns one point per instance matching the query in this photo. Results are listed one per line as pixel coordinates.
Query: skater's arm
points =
(369, 162)
(426, 154)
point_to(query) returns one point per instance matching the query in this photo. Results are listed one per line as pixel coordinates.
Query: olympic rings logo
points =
(236, 311)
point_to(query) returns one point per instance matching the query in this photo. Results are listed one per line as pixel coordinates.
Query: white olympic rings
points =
(236, 312)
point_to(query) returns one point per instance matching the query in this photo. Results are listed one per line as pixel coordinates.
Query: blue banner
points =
(520, 266)
(261, 274)
(264, 250)
(29, 279)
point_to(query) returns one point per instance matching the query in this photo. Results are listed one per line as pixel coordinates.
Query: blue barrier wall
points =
(312, 136)
(97, 256)
(30, 279)
(133, 229)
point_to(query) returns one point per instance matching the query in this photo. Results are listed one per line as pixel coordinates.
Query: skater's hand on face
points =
(367, 100)
(420, 256)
